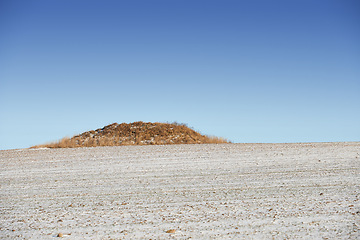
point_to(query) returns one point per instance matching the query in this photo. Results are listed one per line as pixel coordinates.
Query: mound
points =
(137, 133)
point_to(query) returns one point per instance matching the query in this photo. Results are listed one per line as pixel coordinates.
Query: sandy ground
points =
(231, 191)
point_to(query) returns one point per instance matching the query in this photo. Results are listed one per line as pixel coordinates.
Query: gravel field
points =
(225, 191)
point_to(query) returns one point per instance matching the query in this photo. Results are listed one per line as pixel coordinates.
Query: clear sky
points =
(246, 70)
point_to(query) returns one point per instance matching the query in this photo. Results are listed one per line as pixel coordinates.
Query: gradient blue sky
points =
(249, 71)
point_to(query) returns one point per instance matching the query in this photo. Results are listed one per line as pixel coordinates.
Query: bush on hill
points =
(137, 133)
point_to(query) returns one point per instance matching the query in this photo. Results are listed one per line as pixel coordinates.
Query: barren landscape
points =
(207, 191)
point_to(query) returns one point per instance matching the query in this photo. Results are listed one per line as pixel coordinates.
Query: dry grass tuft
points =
(137, 133)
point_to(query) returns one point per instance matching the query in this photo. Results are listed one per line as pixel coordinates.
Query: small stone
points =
(171, 231)
(60, 235)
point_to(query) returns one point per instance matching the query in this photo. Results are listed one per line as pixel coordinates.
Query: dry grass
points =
(137, 133)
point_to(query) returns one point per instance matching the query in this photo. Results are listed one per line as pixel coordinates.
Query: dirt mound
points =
(137, 133)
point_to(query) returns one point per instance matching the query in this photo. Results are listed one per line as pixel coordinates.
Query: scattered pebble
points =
(201, 194)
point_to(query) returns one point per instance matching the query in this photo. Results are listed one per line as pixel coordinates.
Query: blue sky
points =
(249, 71)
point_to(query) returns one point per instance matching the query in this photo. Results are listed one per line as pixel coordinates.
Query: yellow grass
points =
(137, 133)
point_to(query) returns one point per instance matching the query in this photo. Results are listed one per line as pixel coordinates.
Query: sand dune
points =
(224, 191)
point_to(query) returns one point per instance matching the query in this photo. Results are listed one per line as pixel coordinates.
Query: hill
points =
(137, 133)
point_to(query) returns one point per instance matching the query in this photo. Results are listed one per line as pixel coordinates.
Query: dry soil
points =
(225, 191)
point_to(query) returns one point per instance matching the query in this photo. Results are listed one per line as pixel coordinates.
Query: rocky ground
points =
(224, 191)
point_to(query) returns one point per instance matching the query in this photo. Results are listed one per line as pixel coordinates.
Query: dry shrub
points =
(138, 133)
(62, 143)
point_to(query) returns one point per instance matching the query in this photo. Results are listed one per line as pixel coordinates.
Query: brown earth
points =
(137, 133)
